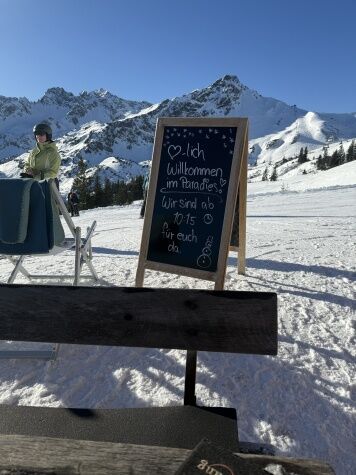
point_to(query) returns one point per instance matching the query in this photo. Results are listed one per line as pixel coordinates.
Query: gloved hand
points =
(25, 175)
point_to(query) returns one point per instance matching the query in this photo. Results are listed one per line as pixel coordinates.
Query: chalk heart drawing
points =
(222, 181)
(174, 150)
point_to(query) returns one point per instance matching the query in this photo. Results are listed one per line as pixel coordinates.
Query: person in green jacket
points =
(44, 160)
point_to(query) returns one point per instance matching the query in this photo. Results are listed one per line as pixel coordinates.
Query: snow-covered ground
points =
(300, 244)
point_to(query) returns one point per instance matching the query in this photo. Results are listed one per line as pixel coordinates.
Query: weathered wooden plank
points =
(65, 456)
(202, 320)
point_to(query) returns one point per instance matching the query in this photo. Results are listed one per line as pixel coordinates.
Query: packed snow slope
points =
(300, 244)
(114, 136)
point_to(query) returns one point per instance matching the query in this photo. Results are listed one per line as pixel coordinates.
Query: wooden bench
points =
(19, 455)
(192, 320)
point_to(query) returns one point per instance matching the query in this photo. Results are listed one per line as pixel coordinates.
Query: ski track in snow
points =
(300, 245)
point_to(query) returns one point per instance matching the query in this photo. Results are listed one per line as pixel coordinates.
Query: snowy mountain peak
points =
(98, 93)
(13, 106)
(57, 96)
(103, 92)
(98, 125)
(228, 82)
(223, 93)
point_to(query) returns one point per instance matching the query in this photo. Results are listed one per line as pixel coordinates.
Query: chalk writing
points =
(192, 185)
(191, 151)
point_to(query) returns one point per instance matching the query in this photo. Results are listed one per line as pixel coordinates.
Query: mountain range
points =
(115, 136)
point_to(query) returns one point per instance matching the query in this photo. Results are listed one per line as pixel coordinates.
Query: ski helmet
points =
(40, 129)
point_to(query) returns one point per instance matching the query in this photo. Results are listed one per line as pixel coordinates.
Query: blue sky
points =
(303, 52)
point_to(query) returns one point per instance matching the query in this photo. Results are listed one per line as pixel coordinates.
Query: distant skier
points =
(69, 204)
(145, 184)
(73, 203)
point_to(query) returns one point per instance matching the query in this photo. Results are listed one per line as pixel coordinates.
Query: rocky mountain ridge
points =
(115, 136)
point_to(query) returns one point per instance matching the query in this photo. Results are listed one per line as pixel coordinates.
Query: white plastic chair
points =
(82, 255)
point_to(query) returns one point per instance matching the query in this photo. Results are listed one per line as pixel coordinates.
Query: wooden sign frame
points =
(240, 149)
(240, 213)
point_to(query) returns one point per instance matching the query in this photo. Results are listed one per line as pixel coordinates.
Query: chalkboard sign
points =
(192, 195)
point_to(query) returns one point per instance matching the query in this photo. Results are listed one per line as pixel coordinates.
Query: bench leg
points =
(190, 377)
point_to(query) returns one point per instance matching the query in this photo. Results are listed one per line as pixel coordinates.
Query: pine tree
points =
(108, 193)
(274, 175)
(301, 156)
(334, 159)
(135, 188)
(122, 195)
(351, 152)
(98, 197)
(320, 165)
(82, 185)
(265, 175)
(114, 188)
(326, 158)
(342, 155)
